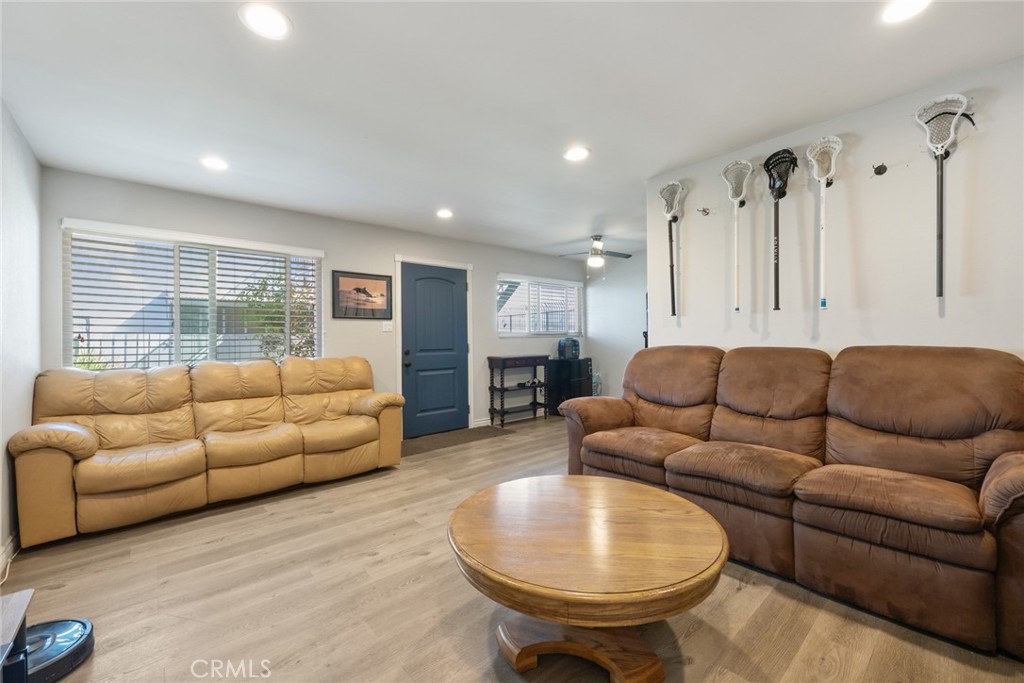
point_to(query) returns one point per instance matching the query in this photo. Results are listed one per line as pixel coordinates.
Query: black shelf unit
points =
(568, 378)
(534, 385)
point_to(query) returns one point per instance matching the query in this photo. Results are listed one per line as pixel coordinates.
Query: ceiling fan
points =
(595, 257)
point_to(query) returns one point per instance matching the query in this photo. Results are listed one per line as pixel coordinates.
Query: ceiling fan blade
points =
(617, 254)
(575, 253)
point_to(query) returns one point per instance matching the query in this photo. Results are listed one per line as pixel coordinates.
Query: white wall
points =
(19, 304)
(616, 318)
(348, 246)
(880, 235)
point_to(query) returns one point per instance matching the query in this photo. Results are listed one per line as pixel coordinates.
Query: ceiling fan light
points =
(597, 244)
(595, 261)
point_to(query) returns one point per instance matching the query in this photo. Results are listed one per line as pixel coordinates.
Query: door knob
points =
(407, 363)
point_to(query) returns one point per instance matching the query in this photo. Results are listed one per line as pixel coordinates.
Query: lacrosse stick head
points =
(672, 195)
(940, 118)
(735, 175)
(778, 166)
(822, 155)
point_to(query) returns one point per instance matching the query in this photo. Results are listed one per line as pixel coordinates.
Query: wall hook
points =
(704, 211)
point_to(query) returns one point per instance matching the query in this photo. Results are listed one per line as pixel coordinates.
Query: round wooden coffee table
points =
(590, 556)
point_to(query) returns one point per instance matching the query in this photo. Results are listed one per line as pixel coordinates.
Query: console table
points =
(533, 385)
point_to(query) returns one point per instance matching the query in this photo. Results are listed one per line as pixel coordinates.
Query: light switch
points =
(389, 326)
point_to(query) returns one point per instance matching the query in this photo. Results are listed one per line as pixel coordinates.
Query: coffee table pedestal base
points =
(621, 651)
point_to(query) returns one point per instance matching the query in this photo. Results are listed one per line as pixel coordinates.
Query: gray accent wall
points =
(19, 305)
(348, 246)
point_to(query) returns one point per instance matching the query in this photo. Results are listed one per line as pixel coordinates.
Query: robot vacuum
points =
(56, 648)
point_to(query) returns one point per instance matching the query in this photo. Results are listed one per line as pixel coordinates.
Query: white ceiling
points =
(383, 112)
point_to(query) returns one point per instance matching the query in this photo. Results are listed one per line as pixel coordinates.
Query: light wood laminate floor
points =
(354, 582)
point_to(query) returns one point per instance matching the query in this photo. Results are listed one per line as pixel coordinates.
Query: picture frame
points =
(360, 296)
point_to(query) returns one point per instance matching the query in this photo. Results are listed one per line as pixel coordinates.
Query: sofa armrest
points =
(44, 466)
(589, 414)
(1002, 491)
(73, 439)
(373, 404)
(598, 413)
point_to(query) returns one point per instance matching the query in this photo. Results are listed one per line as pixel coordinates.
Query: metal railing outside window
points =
(137, 303)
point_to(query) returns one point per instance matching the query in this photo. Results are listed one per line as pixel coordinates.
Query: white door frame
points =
(468, 267)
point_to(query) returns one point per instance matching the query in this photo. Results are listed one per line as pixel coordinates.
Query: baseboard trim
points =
(9, 550)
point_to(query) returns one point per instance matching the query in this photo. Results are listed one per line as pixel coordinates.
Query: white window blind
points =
(138, 303)
(535, 306)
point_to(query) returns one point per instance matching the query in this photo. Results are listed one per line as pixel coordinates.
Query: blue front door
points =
(435, 363)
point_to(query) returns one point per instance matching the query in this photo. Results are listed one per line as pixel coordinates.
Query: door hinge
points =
(467, 409)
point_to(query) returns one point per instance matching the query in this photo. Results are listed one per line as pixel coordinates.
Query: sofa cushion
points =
(124, 408)
(637, 452)
(327, 436)
(253, 446)
(913, 498)
(323, 388)
(673, 388)
(774, 397)
(756, 477)
(975, 550)
(140, 467)
(232, 397)
(933, 411)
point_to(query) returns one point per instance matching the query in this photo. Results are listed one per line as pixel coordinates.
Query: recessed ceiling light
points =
(264, 20)
(901, 10)
(444, 213)
(214, 163)
(576, 153)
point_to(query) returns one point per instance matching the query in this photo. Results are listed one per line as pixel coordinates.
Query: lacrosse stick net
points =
(672, 194)
(940, 119)
(822, 156)
(778, 166)
(735, 175)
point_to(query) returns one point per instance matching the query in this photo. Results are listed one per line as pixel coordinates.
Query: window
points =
(536, 306)
(137, 298)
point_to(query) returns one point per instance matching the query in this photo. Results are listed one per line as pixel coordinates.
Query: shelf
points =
(498, 388)
(535, 386)
(533, 405)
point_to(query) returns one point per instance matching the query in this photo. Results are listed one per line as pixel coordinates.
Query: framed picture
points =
(361, 295)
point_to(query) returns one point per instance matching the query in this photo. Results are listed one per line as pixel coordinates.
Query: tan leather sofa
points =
(114, 447)
(890, 477)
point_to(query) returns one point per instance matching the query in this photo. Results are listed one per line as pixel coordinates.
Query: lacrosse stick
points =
(778, 166)
(735, 175)
(822, 155)
(672, 194)
(939, 118)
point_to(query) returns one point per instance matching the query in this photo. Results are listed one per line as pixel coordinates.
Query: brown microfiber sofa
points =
(890, 477)
(114, 447)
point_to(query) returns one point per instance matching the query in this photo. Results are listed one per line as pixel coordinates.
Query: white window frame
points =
(541, 280)
(144, 234)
